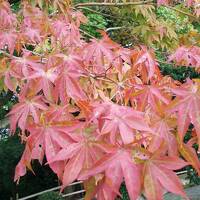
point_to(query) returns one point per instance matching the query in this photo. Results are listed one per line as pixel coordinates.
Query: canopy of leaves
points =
(97, 111)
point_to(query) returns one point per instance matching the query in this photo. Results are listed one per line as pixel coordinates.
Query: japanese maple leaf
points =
(45, 76)
(25, 108)
(9, 74)
(102, 186)
(144, 61)
(189, 153)
(163, 124)
(79, 18)
(7, 18)
(67, 84)
(116, 166)
(40, 143)
(33, 35)
(47, 138)
(25, 162)
(99, 53)
(78, 156)
(188, 56)
(187, 104)
(36, 20)
(67, 32)
(158, 175)
(120, 119)
(148, 95)
(22, 65)
(162, 2)
(8, 40)
(122, 56)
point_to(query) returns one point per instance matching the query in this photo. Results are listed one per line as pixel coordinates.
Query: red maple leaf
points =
(120, 119)
(158, 175)
(187, 104)
(116, 166)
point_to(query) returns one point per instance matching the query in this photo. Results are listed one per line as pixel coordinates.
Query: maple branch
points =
(180, 11)
(112, 4)
(94, 11)
(82, 5)
(115, 28)
(7, 54)
(43, 59)
(177, 10)
(118, 28)
(91, 36)
(100, 77)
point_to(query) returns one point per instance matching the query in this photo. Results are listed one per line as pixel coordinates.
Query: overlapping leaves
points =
(98, 112)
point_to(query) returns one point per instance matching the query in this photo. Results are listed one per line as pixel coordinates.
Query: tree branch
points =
(7, 54)
(85, 33)
(112, 4)
(181, 11)
(94, 11)
(131, 3)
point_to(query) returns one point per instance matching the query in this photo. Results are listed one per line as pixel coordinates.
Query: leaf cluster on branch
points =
(97, 111)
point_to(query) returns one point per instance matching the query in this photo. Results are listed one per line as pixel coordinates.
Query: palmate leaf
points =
(67, 83)
(118, 165)
(187, 56)
(158, 175)
(45, 74)
(189, 154)
(100, 53)
(187, 105)
(120, 119)
(144, 62)
(163, 126)
(28, 106)
(47, 137)
(148, 95)
(79, 155)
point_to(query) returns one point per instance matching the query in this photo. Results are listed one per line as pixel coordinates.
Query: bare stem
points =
(94, 11)
(180, 11)
(7, 54)
(112, 4)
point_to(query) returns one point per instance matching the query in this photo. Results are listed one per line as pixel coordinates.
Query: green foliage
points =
(178, 73)
(124, 192)
(95, 22)
(193, 177)
(15, 5)
(196, 26)
(7, 99)
(10, 152)
(50, 196)
(181, 22)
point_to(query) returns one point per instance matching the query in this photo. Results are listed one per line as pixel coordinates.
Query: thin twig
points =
(116, 28)
(7, 54)
(180, 11)
(94, 11)
(131, 3)
(112, 4)
(91, 36)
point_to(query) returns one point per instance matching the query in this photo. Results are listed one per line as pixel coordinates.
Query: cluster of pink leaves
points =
(98, 112)
(187, 56)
